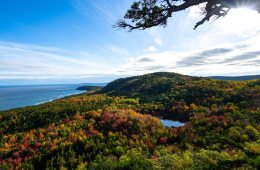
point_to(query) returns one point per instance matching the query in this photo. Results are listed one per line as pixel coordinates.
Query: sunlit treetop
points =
(145, 14)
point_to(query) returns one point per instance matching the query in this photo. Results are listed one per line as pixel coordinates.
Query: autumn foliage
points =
(120, 128)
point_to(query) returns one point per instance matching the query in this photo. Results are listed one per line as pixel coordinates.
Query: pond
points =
(171, 123)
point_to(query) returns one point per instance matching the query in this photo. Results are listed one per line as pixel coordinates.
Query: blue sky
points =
(72, 41)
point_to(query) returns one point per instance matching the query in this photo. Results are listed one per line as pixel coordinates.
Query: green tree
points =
(119, 150)
(252, 132)
(102, 163)
(173, 162)
(234, 133)
(257, 162)
(134, 160)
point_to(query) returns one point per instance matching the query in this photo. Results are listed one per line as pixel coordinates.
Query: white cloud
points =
(242, 22)
(32, 61)
(231, 59)
(150, 49)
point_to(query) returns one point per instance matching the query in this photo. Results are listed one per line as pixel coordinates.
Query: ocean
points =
(20, 96)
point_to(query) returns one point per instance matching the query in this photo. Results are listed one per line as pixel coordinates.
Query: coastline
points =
(60, 97)
(13, 97)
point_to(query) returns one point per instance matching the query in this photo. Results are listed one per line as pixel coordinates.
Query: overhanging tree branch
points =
(150, 13)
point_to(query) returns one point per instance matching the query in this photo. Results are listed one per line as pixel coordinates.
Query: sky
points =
(73, 41)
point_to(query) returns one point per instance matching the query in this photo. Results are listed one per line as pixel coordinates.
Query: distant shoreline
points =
(13, 97)
(18, 96)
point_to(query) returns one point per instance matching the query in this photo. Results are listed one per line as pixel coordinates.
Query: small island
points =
(89, 88)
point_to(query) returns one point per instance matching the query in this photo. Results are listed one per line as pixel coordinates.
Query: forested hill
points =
(170, 94)
(172, 87)
(165, 82)
(119, 129)
(149, 85)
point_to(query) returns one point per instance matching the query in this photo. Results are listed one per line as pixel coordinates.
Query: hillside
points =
(171, 93)
(147, 85)
(155, 85)
(118, 127)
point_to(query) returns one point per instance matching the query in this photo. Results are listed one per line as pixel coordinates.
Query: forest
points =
(118, 127)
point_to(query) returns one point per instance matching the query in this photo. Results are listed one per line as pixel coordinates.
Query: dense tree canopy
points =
(117, 128)
(145, 14)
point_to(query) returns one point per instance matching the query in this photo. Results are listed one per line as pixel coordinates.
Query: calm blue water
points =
(19, 96)
(171, 123)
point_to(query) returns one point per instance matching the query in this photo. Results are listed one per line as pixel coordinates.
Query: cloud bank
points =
(26, 61)
(228, 59)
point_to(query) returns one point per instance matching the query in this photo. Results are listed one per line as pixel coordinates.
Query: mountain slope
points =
(170, 94)
(149, 84)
